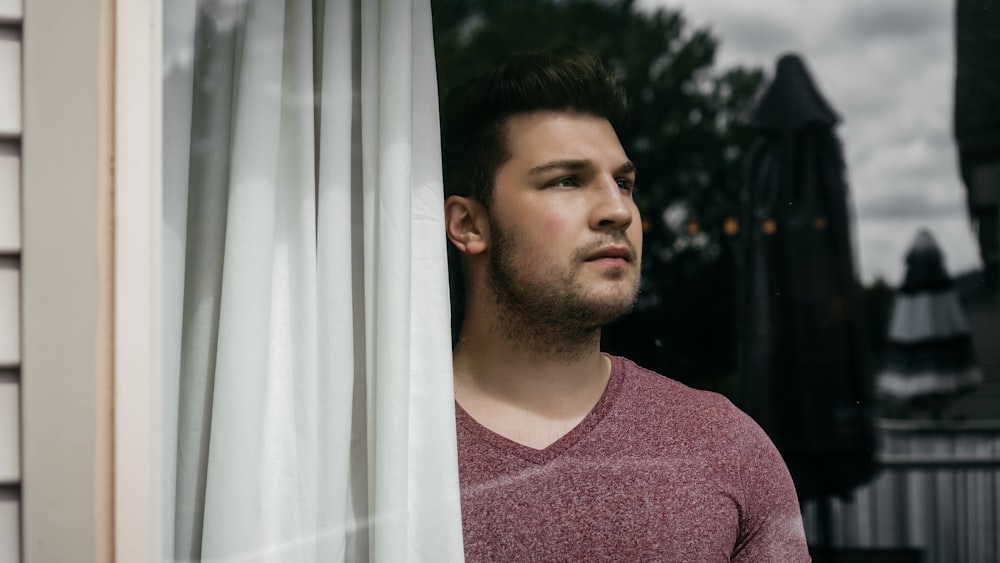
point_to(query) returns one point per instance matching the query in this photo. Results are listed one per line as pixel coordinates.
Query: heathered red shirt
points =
(656, 472)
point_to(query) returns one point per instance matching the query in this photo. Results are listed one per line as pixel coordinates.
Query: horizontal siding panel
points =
(10, 428)
(10, 82)
(10, 199)
(11, 10)
(10, 313)
(10, 526)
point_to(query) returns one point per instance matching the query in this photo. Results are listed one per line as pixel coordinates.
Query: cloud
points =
(919, 205)
(903, 20)
(756, 36)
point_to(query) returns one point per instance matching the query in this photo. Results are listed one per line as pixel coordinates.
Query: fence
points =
(937, 492)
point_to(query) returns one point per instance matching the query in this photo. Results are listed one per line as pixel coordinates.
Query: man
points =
(565, 453)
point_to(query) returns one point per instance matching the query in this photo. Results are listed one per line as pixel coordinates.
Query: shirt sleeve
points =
(770, 520)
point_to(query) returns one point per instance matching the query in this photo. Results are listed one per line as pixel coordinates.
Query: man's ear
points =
(466, 224)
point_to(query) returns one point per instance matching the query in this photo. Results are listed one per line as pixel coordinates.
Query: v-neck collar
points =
(566, 441)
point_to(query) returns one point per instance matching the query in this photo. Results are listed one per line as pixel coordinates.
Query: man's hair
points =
(474, 116)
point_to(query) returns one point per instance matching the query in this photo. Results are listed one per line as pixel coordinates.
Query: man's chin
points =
(615, 293)
(610, 309)
(623, 273)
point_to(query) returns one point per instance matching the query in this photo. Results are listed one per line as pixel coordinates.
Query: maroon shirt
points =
(656, 472)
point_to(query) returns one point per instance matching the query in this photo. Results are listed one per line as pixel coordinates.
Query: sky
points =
(887, 67)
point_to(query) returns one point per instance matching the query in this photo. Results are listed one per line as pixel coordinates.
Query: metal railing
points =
(938, 491)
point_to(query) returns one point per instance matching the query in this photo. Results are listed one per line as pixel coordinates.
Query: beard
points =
(554, 313)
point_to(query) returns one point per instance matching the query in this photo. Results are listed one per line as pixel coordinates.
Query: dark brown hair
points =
(474, 116)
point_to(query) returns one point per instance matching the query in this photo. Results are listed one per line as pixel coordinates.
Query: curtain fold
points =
(307, 345)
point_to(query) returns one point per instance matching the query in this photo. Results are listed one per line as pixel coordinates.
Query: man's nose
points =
(613, 209)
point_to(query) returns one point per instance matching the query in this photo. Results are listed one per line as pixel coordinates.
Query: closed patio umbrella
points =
(804, 362)
(929, 359)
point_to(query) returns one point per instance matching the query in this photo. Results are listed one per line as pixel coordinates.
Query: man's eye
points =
(569, 181)
(627, 185)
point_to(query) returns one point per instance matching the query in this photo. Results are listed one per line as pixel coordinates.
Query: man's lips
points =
(611, 253)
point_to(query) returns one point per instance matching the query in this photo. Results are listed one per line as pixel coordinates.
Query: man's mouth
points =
(611, 254)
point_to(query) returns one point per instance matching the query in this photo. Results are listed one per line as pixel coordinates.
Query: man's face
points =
(565, 235)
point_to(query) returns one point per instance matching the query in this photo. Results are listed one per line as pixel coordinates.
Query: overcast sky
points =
(887, 66)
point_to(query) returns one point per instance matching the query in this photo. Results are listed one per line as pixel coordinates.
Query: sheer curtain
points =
(309, 413)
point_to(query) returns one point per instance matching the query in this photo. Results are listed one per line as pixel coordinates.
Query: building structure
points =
(79, 189)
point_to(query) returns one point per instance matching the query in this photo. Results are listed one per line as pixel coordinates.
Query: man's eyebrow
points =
(627, 168)
(559, 165)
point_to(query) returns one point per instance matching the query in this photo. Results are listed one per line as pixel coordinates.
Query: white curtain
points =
(310, 413)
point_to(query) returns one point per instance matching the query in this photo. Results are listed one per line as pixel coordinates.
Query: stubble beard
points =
(556, 318)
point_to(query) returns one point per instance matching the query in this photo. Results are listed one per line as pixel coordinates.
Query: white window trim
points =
(137, 317)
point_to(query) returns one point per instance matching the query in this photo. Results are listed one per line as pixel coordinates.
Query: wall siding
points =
(10, 280)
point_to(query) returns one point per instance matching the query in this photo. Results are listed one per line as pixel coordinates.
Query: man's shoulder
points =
(656, 393)
(664, 405)
(665, 390)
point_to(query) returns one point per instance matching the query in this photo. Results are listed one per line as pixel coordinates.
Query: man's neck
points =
(523, 394)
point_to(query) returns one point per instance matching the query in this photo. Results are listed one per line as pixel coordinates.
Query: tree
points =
(683, 136)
